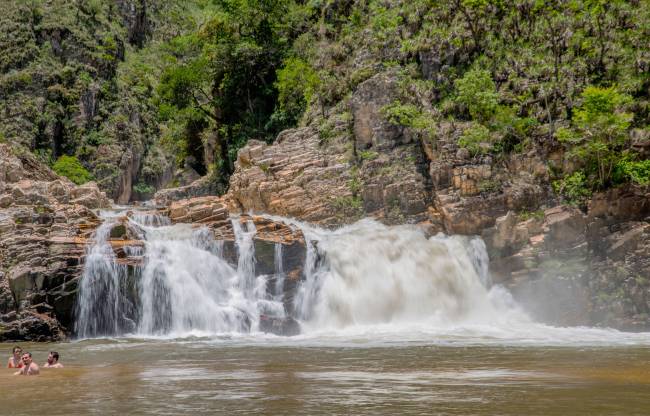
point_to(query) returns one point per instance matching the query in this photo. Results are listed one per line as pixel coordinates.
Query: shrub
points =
(71, 168)
(638, 172)
(598, 134)
(143, 188)
(573, 188)
(406, 115)
(476, 91)
(476, 139)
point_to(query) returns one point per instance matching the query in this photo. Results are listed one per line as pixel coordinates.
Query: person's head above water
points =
(17, 351)
(53, 357)
(27, 358)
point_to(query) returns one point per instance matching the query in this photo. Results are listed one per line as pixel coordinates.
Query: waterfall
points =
(316, 271)
(279, 271)
(183, 286)
(104, 306)
(478, 255)
(360, 275)
(368, 273)
(246, 255)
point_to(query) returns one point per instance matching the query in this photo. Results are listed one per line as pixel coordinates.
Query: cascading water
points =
(104, 306)
(279, 271)
(363, 274)
(368, 274)
(183, 286)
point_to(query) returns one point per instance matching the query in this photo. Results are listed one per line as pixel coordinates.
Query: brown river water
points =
(197, 376)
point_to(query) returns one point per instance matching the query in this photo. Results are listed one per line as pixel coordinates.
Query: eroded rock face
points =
(371, 129)
(361, 166)
(44, 223)
(471, 193)
(572, 268)
(294, 177)
(200, 187)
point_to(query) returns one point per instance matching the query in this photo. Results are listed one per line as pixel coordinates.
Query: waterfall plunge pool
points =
(392, 323)
(321, 376)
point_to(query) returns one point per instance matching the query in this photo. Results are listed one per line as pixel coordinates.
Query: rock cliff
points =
(44, 223)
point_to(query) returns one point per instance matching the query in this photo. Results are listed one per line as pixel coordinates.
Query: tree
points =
(297, 83)
(476, 91)
(599, 132)
(231, 78)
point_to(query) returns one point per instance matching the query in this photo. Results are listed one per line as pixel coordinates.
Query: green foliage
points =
(180, 87)
(143, 188)
(232, 70)
(367, 155)
(574, 188)
(635, 171)
(406, 115)
(349, 207)
(527, 215)
(228, 77)
(297, 83)
(71, 168)
(477, 92)
(477, 139)
(599, 133)
(488, 186)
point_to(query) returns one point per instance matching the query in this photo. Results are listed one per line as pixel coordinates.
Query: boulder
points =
(566, 227)
(279, 326)
(371, 129)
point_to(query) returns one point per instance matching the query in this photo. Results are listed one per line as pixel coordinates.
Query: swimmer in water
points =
(30, 368)
(53, 360)
(15, 361)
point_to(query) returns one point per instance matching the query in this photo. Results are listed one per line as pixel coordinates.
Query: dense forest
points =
(140, 95)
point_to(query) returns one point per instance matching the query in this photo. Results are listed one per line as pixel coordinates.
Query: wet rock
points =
(31, 326)
(279, 326)
(200, 187)
(204, 210)
(566, 225)
(119, 231)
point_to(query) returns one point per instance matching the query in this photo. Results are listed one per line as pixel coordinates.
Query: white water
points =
(184, 285)
(374, 274)
(103, 308)
(365, 282)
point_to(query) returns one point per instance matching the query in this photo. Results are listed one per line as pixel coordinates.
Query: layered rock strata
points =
(575, 268)
(44, 225)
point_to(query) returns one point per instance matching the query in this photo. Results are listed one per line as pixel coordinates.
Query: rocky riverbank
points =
(45, 221)
(46, 226)
(568, 265)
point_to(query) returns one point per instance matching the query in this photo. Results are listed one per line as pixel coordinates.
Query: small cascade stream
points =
(103, 306)
(363, 274)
